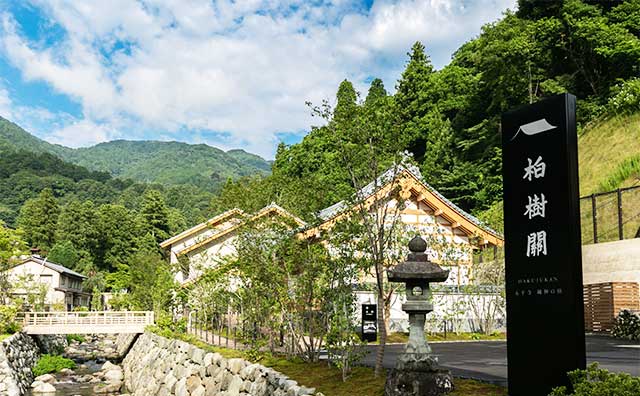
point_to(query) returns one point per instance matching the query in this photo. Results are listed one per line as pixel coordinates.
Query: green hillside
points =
(14, 137)
(609, 154)
(169, 163)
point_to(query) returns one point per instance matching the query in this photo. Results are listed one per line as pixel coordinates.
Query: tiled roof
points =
(56, 267)
(385, 178)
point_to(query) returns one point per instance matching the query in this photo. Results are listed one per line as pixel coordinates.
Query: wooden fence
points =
(604, 301)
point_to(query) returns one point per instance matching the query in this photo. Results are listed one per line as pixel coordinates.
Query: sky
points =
(231, 74)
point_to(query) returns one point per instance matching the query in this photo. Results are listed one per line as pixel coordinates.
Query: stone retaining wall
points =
(18, 354)
(123, 343)
(158, 366)
(51, 344)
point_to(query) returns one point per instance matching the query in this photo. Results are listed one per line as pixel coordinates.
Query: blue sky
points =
(232, 74)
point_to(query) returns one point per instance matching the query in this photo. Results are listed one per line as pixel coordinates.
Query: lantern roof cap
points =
(417, 266)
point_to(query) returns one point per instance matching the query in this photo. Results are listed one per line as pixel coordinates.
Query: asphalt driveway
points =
(487, 361)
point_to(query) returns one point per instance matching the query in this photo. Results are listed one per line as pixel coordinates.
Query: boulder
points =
(43, 387)
(111, 387)
(115, 375)
(48, 378)
(109, 366)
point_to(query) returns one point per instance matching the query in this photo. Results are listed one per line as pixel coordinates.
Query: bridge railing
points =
(88, 318)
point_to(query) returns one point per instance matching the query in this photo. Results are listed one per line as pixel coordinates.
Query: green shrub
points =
(165, 321)
(595, 381)
(75, 337)
(626, 97)
(8, 323)
(626, 326)
(52, 364)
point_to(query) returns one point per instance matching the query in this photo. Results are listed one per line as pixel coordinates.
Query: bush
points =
(626, 326)
(165, 321)
(626, 98)
(75, 337)
(8, 323)
(595, 381)
(52, 364)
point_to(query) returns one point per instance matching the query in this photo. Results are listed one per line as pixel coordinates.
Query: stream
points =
(96, 373)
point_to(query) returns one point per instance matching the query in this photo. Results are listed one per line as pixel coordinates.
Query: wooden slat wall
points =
(603, 301)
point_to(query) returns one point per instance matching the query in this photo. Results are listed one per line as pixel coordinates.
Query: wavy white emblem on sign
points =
(534, 128)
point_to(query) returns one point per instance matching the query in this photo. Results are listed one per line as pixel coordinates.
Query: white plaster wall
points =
(35, 270)
(444, 306)
(208, 256)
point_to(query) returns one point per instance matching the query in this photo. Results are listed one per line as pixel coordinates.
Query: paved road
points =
(487, 361)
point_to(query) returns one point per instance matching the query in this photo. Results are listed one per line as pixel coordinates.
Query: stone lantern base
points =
(418, 375)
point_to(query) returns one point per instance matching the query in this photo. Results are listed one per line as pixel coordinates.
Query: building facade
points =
(452, 236)
(206, 245)
(48, 284)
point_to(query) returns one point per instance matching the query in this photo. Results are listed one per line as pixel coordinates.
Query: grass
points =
(4, 336)
(466, 387)
(605, 150)
(328, 379)
(403, 337)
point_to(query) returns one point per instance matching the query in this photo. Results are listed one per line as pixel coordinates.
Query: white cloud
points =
(82, 133)
(5, 104)
(243, 68)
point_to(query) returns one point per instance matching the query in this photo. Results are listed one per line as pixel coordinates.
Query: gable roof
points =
(202, 226)
(270, 209)
(53, 266)
(410, 179)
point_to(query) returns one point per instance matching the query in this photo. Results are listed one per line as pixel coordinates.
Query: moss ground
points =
(403, 337)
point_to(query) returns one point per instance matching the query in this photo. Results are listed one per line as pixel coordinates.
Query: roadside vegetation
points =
(597, 381)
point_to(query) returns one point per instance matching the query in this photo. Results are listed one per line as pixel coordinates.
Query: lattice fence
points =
(603, 302)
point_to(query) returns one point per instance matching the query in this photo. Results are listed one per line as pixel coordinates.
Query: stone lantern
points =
(416, 372)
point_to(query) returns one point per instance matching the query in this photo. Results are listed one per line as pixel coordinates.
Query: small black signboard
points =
(369, 322)
(545, 313)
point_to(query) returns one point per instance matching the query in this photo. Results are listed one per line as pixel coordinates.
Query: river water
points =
(67, 386)
(73, 385)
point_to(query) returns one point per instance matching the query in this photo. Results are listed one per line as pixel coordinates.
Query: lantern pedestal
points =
(417, 372)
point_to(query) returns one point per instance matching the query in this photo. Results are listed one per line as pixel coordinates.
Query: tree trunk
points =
(382, 333)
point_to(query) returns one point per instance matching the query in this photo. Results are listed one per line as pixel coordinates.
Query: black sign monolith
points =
(545, 313)
(369, 322)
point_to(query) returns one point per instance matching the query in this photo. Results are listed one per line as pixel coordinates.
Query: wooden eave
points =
(267, 210)
(409, 184)
(202, 226)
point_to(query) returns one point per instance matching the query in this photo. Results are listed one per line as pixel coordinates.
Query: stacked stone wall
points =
(51, 344)
(18, 354)
(158, 366)
(124, 343)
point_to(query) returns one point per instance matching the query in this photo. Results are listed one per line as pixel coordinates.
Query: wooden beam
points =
(438, 212)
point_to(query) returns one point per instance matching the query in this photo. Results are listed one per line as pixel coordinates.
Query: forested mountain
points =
(15, 138)
(169, 163)
(449, 119)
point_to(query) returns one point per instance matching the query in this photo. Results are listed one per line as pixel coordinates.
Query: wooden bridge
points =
(107, 322)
